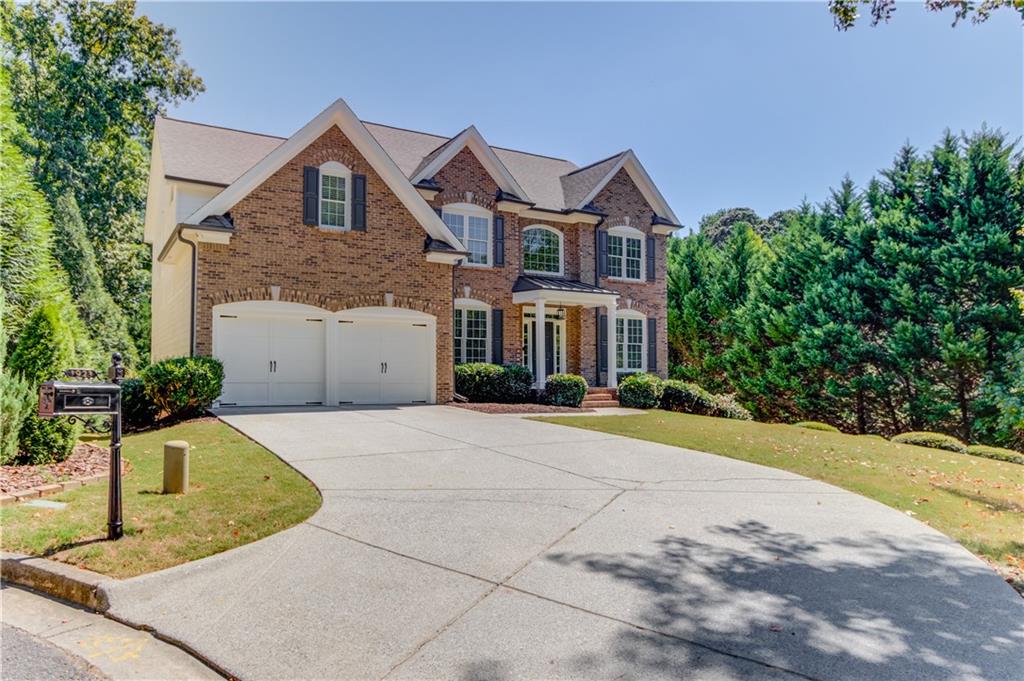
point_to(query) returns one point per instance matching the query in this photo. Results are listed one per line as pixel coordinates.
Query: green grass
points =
(238, 493)
(978, 502)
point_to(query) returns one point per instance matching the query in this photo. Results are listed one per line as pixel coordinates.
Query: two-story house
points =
(355, 262)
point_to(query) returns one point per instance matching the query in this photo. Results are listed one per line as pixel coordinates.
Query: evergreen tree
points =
(15, 400)
(103, 319)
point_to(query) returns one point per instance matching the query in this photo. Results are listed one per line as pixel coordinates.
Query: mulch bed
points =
(86, 460)
(499, 408)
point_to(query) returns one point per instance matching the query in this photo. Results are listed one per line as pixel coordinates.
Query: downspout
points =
(192, 316)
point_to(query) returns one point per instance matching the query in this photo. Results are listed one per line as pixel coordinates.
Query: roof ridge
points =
(222, 127)
(398, 127)
(595, 163)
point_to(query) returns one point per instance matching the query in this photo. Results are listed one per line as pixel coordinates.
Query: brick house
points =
(355, 262)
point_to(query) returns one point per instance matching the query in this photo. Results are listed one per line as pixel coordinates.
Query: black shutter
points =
(652, 344)
(651, 246)
(310, 195)
(499, 241)
(438, 211)
(359, 203)
(602, 343)
(602, 253)
(497, 336)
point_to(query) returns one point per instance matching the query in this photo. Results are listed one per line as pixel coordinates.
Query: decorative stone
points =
(47, 490)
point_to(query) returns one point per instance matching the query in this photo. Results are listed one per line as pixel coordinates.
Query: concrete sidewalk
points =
(453, 544)
(103, 648)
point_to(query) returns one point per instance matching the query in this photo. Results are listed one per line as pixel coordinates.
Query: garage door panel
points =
(405, 348)
(384, 362)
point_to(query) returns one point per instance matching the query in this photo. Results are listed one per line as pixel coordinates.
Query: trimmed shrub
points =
(688, 398)
(816, 425)
(45, 348)
(184, 387)
(933, 440)
(997, 453)
(641, 391)
(480, 381)
(138, 410)
(727, 407)
(565, 390)
(518, 383)
(15, 400)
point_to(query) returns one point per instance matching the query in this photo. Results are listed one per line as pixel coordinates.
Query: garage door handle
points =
(385, 367)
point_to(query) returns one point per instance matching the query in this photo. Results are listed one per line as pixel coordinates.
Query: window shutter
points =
(497, 336)
(651, 247)
(499, 240)
(602, 342)
(310, 195)
(359, 203)
(438, 211)
(602, 253)
(652, 344)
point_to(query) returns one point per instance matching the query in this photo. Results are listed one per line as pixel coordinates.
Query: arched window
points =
(335, 185)
(472, 331)
(630, 345)
(542, 250)
(625, 253)
(472, 225)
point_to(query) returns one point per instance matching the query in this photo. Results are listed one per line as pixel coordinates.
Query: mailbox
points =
(64, 398)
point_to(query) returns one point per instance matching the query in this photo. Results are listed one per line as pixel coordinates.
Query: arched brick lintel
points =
(331, 304)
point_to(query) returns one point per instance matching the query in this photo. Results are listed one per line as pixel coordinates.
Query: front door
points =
(554, 344)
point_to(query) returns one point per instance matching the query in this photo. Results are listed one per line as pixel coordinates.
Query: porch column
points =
(539, 343)
(613, 378)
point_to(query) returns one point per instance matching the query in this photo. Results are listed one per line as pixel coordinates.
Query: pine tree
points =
(103, 319)
(15, 399)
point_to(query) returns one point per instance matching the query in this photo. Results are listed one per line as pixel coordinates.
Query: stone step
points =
(597, 404)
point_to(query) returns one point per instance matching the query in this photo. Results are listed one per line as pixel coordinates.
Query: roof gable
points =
(626, 160)
(471, 138)
(341, 115)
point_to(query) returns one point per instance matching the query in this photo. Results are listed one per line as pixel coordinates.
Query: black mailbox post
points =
(82, 399)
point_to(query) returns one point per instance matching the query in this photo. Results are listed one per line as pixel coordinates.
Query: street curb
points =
(66, 582)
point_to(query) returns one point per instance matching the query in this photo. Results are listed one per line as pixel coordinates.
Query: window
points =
(472, 225)
(542, 250)
(471, 332)
(625, 253)
(629, 343)
(334, 188)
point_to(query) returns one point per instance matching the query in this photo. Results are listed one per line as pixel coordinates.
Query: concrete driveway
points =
(458, 545)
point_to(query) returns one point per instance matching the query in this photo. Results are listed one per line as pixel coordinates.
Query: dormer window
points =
(542, 250)
(472, 225)
(334, 195)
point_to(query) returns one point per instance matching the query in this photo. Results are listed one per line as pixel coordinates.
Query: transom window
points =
(625, 253)
(629, 344)
(334, 187)
(472, 225)
(471, 332)
(542, 250)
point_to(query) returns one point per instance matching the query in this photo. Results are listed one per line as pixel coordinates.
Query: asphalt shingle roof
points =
(214, 155)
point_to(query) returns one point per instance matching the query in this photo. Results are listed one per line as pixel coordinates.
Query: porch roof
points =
(568, 291)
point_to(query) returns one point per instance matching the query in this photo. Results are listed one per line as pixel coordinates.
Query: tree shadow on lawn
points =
(871, 608)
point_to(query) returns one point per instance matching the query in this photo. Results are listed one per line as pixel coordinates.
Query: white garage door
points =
(270, 359)
(384, 361)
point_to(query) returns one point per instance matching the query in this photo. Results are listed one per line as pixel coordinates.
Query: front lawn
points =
(979, 502)
(238, 493)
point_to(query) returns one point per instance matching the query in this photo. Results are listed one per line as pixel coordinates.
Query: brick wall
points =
(333, 270)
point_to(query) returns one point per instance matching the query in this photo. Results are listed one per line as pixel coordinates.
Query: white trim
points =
(341, 115)
(624, 314)
(511, 207)
(564, 298)
(561, 251)
(334, 169)
(562, 367)
(467, 210)
(643, 181)
(428, 194)
(626, 232)
(571, 217)
(480, 306)
(488, 159)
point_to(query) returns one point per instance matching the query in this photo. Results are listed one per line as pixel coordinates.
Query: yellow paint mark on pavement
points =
(114, 648)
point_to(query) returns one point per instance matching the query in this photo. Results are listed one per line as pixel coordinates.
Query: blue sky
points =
(731, 104)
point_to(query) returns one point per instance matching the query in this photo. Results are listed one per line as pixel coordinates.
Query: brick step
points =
(602, 391)
(597, 404)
